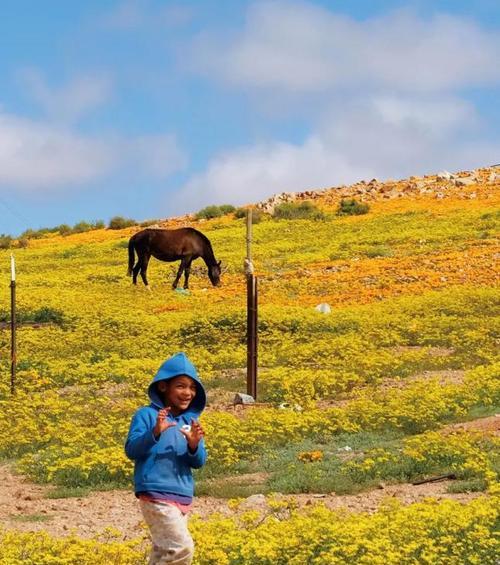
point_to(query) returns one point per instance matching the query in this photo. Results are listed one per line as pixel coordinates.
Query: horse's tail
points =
(131, 256)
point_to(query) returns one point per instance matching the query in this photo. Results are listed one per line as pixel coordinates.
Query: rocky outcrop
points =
(462, 184)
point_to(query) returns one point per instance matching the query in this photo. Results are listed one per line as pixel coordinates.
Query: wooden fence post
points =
(252, 314)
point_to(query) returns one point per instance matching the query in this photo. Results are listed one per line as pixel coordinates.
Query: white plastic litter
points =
(324, 308)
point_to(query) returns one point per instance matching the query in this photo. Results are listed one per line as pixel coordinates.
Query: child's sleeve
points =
(140, 437)
(199, 457)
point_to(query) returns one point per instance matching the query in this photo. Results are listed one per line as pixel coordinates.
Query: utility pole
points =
(252, 317)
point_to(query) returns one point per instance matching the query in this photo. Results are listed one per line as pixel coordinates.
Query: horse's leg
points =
(135, 270)
(144, 268)
(182, 266)
(187, 272)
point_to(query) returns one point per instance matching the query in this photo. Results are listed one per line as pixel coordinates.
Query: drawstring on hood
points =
(176, 366)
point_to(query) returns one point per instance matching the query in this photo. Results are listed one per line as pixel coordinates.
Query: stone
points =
(443, 175)
(241, 398)
(324, 308)
(464, 181)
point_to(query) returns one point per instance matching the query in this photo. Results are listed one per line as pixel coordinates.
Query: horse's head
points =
(214, 273)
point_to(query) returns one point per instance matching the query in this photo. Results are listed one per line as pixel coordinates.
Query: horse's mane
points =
(202, 236)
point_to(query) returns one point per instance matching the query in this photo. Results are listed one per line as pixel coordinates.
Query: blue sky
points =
(149, 108)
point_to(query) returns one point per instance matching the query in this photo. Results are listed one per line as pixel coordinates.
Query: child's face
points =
(178, 393)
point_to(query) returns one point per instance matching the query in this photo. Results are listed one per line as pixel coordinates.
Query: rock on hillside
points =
(463, 184)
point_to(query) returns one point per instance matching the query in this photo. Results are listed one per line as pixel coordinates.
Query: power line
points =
(14, 212)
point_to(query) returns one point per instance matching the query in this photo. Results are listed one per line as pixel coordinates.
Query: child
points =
(165, 441)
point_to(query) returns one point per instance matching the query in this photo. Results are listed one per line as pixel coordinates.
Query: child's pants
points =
(172, 542)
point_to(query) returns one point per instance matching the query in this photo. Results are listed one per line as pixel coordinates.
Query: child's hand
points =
(162, 422)
(194, 435)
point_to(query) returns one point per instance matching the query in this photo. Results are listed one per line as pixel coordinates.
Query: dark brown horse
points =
(184, 244)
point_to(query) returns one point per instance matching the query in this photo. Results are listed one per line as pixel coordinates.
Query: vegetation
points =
(257, 214)
(351, 207)
(428, 532)
(119, 222)
(214, 211)
(298, 211)
(411, 344)
(62, 229)
(5, 241)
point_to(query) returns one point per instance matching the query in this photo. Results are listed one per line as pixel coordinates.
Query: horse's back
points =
(170, 245)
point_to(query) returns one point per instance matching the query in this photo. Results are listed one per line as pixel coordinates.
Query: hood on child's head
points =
(176, 366)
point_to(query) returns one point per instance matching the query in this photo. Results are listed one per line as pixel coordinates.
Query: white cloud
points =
(41, 155)
(298, 47)
(251, 174)
(382, 93)
(436, 115)
(386, 137)
(396, 136)
(71, 101)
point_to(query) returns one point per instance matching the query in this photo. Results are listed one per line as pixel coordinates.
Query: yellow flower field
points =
(432, 533)
(411, 344)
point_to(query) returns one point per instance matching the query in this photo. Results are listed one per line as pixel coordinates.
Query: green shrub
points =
(64, 229)
(119, 222)
(226, 208)
(378, 251)
(256, 214)
(298, 211)
(31, 234)
(5, 241)
(23, 242)
(351, 207)
(47, 314)
(214, 211)
(81, 227)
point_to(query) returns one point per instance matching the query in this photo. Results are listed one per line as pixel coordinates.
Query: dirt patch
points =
(370, 501)
(490, 424)
(444, 376)
(432, 351)
(23, 506)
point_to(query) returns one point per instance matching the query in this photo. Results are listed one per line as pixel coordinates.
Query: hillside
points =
(409, 349)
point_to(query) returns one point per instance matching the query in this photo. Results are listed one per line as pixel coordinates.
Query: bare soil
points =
(490, 425)
(24, 506)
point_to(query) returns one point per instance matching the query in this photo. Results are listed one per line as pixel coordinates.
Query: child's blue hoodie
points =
(164, 465)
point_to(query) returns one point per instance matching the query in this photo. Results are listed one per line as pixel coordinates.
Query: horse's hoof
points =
(148, 288)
